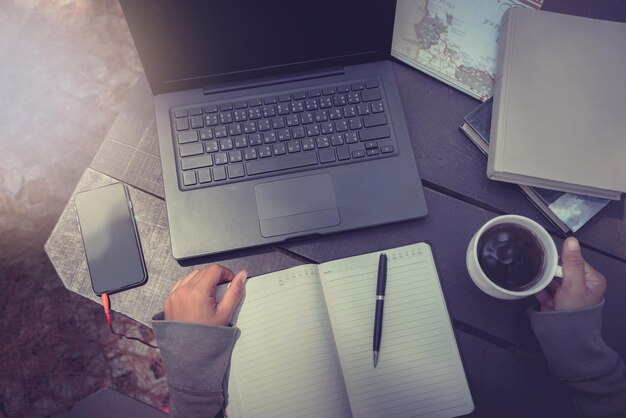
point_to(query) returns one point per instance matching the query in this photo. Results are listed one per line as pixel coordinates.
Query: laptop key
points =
(264, 151)
(195, 111)
(293, 146)
(249, 154)
(328, 91)
(370, 84)
(327, 155)
(278, 122)
(180, 113)
(336, 140)
(308, 144)
(206, 133)
(298, 132)
(314, 93)
(182, 124)
(220, 132)
(377, 107)
(219, 173)
(234, 129)
(235, 171)
(212, 146)
(357, 86)
(343, 153)
(358, 153)
(386, 149)
(204, 175)
(373, 151)
(352, 137)
(226, 106)
(254, 140)
(226, 144)
(211, 120)
(284, 98)
(197, 162)
(326, 102)
(322, 142)
(343, 89)
(264, 125)
(210, 109)
(189, 178)
(255, 102)
(240, 115)
(279, 149)
(284, 163)
(241, 142)
(191, 149)
(226, 118)
(369, 134)
(370, 95)
(269, 100)
(299, 95)
(371, 144)
(374, 120)
(241, 105)
(235, 156)
(189, 136)
(221, 158)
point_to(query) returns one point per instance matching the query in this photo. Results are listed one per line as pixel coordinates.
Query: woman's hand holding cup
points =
(580, 287)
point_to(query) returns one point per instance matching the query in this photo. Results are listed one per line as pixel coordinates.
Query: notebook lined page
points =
(285, 363)
(419, 371)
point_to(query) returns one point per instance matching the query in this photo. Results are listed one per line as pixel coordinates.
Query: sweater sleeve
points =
(196, 358)
(594, 373)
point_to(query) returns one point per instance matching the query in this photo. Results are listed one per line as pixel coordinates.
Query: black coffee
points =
(511, 256)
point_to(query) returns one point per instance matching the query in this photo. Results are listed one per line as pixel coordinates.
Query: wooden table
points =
(503, 362)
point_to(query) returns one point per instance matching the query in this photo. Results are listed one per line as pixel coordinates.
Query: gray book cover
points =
(559, 103)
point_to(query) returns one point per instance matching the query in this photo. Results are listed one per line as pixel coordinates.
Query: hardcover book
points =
(559, 104)
(567, 211)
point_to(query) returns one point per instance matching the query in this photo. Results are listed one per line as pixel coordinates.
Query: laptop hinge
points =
(269, 81)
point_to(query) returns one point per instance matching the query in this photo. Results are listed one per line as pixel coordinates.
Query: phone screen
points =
(110, 237)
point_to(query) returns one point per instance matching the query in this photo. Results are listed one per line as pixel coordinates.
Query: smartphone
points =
(110, 238)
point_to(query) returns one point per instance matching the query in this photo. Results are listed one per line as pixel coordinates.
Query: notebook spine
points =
(500, 95)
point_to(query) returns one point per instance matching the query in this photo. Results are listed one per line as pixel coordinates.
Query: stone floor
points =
(66, 68)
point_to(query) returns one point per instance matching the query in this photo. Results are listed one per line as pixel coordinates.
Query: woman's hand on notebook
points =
(192, 298)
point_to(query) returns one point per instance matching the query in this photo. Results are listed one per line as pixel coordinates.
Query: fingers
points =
(184, 280)
(573, 266)
(594, 280)
(546, 300)
(233, 295)
(211, 276)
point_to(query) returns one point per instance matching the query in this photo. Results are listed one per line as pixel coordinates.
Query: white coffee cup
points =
(550, 267)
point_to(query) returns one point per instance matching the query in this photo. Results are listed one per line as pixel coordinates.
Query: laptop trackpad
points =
(295, 205)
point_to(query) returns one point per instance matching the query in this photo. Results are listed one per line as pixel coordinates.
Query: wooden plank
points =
(65, 250)
(509, 384)
(448, 229)
(130, 150)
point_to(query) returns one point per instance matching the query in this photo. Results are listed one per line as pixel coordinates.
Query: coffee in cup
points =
(511, 257)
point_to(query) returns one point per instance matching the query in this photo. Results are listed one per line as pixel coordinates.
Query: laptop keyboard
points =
(227, 142)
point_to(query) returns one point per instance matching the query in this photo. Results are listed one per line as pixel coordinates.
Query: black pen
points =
(380, 302)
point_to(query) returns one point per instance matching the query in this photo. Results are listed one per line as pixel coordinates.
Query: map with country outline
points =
(454, 41)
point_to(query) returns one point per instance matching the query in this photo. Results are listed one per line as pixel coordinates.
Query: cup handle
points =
(558, 272)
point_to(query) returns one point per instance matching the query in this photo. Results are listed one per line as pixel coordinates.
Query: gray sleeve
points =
(594, 374)
(196, 359)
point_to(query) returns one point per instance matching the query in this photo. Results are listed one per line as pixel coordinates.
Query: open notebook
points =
(306, 343)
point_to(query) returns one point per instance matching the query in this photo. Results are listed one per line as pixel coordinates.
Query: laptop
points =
(276, 119)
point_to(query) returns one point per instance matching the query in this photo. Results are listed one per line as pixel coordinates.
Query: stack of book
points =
(567, 211)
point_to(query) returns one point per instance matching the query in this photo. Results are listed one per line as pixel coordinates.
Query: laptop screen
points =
(198, 43)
